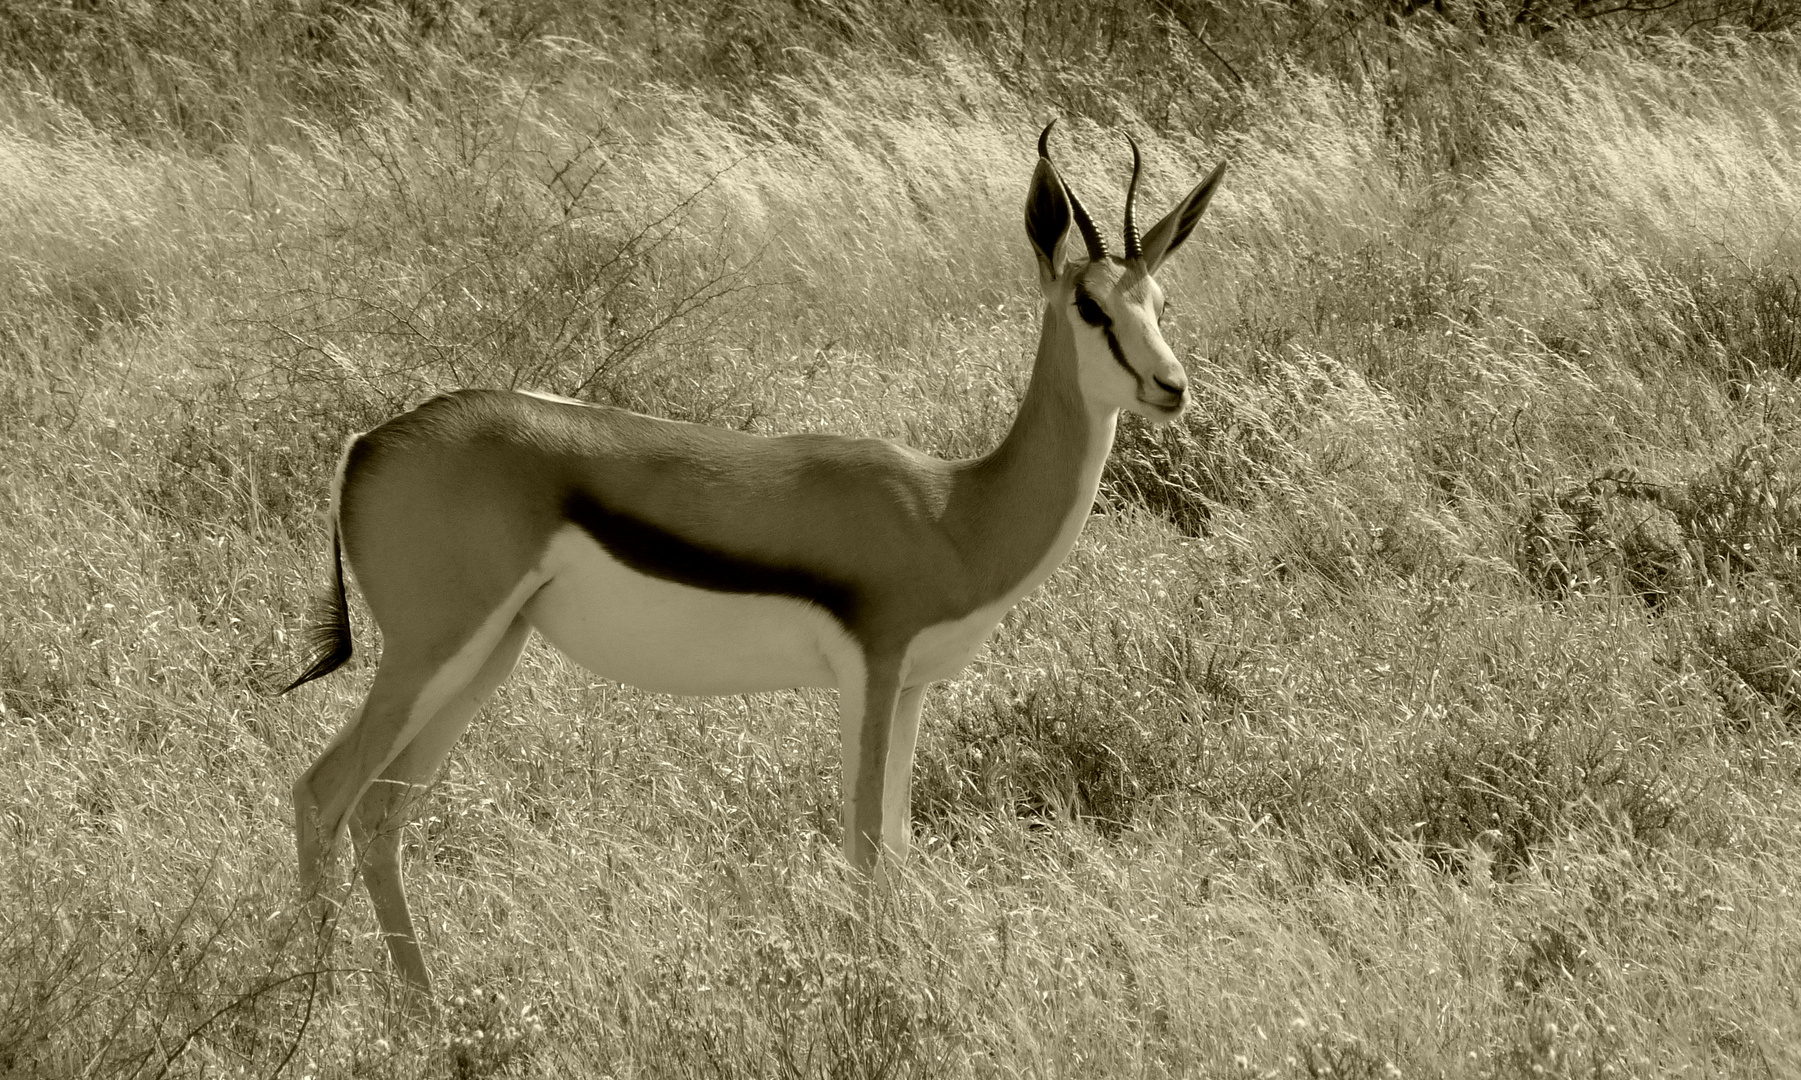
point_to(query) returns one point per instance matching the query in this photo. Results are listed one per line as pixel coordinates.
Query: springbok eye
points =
(1090, 311)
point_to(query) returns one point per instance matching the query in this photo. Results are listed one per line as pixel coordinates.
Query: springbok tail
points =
(328, 639)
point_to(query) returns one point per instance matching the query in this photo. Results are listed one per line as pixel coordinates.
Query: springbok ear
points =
(1167, 235)
(1047, 221)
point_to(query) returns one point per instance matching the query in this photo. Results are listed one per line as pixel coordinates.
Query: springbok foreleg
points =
(879, 730)
(897, 789)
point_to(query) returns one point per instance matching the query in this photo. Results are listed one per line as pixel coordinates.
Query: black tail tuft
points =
(329, 638)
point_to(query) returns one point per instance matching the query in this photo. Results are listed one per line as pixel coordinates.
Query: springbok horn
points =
(1097, 248)
(1134, 249)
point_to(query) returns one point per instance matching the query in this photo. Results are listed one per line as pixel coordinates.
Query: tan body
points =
(696, 560)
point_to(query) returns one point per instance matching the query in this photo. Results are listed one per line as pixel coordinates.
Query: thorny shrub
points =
(152, 993)
(1749, 642)
(1744, 514)
(1510, 792)
(1741, 516)
(484, 1032)
(1614, 531)
(475, 252)
(1739, 327)
(1322, 1050)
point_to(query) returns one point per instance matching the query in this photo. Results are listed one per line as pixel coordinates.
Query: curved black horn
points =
(1134, 248)
(1097, 248)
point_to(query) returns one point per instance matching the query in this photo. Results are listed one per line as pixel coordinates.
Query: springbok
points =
(695, 560)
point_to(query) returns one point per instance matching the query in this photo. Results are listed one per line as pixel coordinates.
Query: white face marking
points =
(662, 636)
(1136, 379)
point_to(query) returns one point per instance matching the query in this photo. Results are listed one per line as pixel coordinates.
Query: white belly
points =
(673, 638)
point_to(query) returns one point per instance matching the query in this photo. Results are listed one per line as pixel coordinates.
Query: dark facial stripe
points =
(1085, 303)
(659, 553)
(1119, 354)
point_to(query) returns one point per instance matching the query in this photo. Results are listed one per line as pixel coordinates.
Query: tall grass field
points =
(1424, 703)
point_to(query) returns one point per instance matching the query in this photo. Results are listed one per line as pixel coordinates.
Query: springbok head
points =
(1112, 303)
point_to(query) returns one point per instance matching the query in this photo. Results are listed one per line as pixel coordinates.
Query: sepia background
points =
(1422, 705)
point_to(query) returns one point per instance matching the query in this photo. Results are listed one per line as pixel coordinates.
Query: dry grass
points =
(1422, 706)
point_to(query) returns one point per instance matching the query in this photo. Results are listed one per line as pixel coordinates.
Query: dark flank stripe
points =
(659, 553)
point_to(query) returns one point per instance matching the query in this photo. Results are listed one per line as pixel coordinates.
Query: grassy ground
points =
(1422, 706)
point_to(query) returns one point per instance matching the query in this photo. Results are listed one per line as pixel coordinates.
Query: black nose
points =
(1173, 388)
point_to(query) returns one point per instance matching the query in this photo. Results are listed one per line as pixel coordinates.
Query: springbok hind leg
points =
(415, 681)
(388, 805)
(325, 793)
